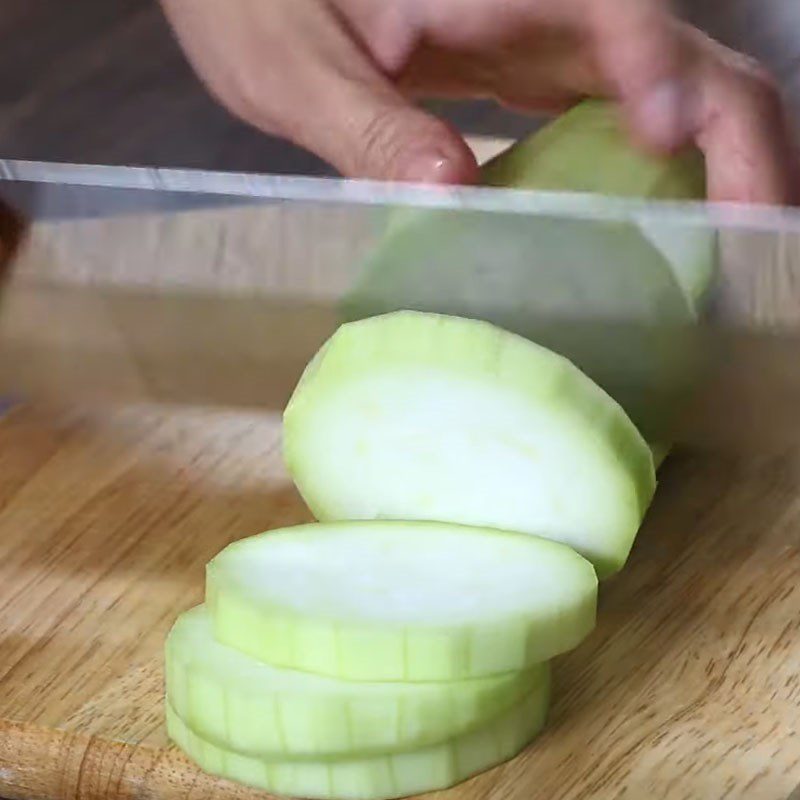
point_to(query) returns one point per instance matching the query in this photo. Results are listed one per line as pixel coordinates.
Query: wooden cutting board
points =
(689, 688)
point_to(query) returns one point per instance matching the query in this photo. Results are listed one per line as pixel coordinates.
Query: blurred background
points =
(102, 81)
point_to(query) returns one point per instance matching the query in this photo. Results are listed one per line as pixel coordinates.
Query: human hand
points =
(340, 77)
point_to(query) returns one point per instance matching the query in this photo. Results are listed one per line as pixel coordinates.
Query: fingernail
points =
(435, 167)
(663, 116)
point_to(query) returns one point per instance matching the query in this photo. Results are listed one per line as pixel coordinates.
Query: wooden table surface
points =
(689, 688)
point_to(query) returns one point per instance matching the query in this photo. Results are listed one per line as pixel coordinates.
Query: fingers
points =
(294, 68)
(639, 53)
(750, 155)
(676, 84)
(537, 54)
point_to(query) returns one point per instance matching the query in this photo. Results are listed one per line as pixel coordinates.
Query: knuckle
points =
(393, 140)
(380, 141)
(393, 135)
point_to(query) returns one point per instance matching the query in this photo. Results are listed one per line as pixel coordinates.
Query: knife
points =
(127, 285)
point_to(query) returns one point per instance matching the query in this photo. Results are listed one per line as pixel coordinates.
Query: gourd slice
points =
(250, 707)
(419, 416)
(400, 601)
(374, 777)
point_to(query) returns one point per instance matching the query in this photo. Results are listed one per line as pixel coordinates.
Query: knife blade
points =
(125, 284)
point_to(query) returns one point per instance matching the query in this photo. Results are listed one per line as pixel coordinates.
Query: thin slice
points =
(400, 601)
(245, 705)
(426, 417)
(376, 777)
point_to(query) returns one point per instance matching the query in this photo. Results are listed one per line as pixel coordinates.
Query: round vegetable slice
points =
(400, 601)
(251, 707)
(420, 416)
(375, 777)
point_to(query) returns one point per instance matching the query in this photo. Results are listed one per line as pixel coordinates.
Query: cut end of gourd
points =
(400, 601)
(588, 149)
(414, 416)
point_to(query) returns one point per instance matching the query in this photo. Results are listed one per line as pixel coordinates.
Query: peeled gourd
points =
(251, 707)
(475, 444)
(377, 776)
(588, 150)
(400, 601)
(618, 298)
(414, 416)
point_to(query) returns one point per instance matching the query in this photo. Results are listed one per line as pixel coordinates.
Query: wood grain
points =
(688, 688)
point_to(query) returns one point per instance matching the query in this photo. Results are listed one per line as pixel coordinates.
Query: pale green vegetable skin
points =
(587, 150)
(254, 708)
(541, 276)
(375, 777)
(400, 601)
(420, 416)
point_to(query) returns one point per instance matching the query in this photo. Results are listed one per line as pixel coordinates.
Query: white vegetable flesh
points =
(417, 416)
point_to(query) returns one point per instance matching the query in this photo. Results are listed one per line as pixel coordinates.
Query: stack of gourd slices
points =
(372, 660)
(470, 487)
(376, 658)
